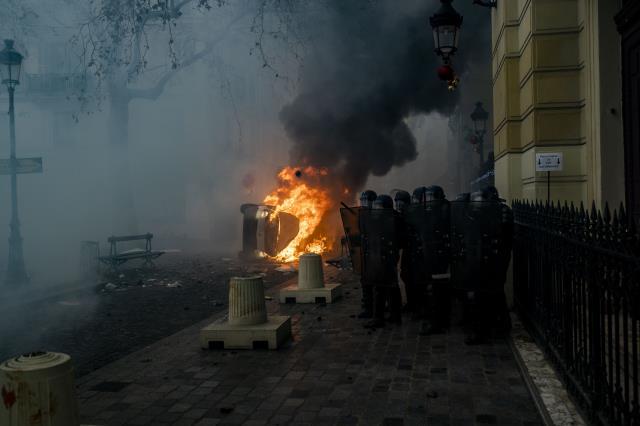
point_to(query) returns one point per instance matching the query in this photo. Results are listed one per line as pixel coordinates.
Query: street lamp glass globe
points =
(10, 64)
(446, 23)
(480, 116)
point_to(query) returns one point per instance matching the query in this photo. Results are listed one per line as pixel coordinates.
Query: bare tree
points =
(16, 18)
(114, 41)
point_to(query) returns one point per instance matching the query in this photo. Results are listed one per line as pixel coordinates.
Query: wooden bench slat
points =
(114, 238)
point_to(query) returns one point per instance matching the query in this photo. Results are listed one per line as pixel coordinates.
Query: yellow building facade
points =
(557, 88)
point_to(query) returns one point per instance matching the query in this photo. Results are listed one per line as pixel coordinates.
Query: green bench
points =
(115, 258)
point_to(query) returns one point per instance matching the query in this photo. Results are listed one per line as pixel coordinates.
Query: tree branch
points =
(153, 93)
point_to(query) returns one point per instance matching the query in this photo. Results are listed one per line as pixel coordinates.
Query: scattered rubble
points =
(287, 269)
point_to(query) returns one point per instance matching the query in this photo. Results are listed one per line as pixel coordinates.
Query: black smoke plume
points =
(371, 65)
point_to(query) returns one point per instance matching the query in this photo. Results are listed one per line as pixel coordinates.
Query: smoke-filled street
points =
(362, 212)
(100, 321)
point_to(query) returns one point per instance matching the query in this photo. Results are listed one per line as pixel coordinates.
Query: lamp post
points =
(479, 116)
(446, 23)
(10, 64)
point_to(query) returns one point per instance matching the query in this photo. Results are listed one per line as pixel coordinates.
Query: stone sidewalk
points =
(333, 372)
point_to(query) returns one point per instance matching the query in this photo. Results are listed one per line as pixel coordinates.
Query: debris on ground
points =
(174, 284)
(69, 303)
(110, 286)
(286, 269)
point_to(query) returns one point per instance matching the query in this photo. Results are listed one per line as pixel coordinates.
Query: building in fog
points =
(558, 74)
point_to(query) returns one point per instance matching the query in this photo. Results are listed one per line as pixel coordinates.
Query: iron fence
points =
(577, 288)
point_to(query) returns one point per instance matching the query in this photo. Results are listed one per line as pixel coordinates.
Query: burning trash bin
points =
(265, 231)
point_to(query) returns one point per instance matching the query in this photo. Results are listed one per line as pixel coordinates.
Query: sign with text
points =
(23, 165)
(549, 162)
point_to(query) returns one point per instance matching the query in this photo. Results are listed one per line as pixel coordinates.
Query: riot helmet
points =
(383, 202)
(465, 197)
(434, 192)
(479, 196)
(402, 200)
(367, 198)
(493, 194)
(418, 194)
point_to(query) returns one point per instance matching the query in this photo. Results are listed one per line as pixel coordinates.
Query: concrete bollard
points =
(246, 301)
(311, 287)
(310, 274)
(38, 389)
(248, 325)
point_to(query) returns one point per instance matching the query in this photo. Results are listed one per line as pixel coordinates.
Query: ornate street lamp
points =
(480, 116)
(446, 23)
(10, 64)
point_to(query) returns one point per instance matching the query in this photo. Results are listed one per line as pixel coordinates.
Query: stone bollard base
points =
(271, 334)
(327, 294)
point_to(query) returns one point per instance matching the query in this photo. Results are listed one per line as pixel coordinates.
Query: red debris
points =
(8, 397)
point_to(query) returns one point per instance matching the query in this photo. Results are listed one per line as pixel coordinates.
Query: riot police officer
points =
(436, 241)
(412, 266)
(382, 240)
(481, 247)
(351, 220)
(367, 198)
(402, 202)
(501, 309)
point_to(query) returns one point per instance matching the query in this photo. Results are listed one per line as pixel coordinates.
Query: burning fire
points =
(299, 193)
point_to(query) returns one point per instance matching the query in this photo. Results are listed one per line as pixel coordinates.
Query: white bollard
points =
(311, 287)
(38, 388)
(246, 301)
(248, 326)
(310, 274)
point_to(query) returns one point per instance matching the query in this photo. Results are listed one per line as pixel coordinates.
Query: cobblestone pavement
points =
(334, 372)
(113, 317)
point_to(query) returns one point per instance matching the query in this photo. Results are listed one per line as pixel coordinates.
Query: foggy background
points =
(218, 131)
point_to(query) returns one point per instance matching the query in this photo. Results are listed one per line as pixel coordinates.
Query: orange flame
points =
(300, 193)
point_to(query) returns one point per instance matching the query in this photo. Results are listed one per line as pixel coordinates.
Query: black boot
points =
(375, 323)
(365, 314)
(395, 306)
(367, 302)
(476, 338)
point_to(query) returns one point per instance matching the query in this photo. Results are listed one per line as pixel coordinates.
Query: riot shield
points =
(436, 236)
(350, 222)
(476, 239)
(380, 231)
(413, 264)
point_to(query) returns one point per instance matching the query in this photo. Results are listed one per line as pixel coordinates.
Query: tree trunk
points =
(124, 218)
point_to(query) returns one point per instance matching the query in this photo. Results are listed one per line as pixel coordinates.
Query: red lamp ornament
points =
(447, 73)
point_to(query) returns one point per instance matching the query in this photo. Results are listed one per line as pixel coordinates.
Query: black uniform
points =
(382, 240)
(351, 221)
(413, 269)
(428, 222)
(481, 232)
(412, 265)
